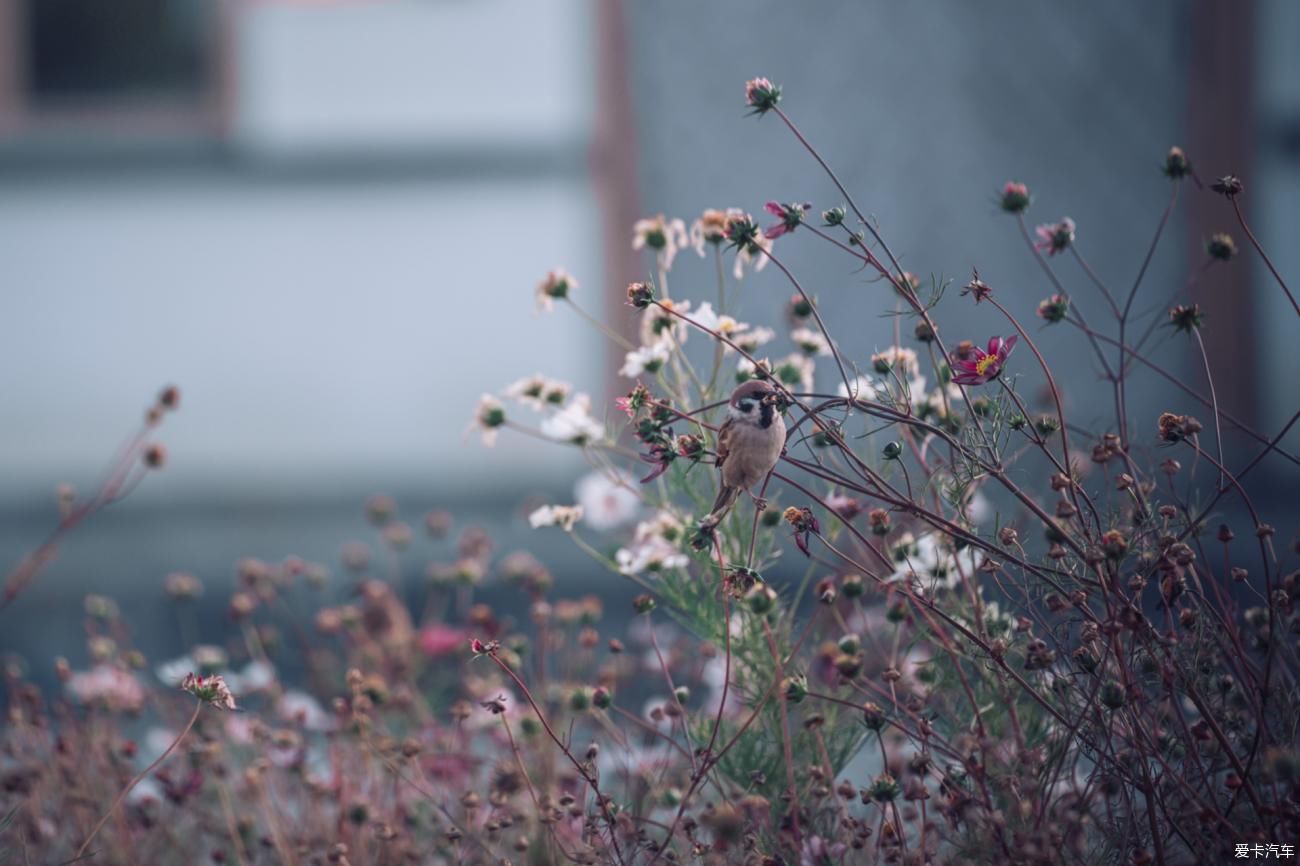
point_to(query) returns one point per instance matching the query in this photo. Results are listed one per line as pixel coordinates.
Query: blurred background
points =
(325, 220)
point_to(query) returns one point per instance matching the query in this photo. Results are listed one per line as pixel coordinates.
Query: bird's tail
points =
(727, 496)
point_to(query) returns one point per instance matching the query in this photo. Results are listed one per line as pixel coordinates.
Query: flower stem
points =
(198, 706)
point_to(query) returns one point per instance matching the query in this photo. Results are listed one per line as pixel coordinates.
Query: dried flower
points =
(211, 690)
(563, 516)
(639, 295)
(1176, 165)
(977, 288)
(1221, 247)
(1228, 185)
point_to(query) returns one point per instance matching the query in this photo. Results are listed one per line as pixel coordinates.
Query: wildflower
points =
(977, 287)
(479, 647)
(607, 499)
(1186, 317)
(1015, 197)
(179, 585)
(490, 415)
(1055, 238)
(1221, 247)
(665, 323)
(496, 706)
(873, 716)
(662, 235)
(633, 401)
(554, 287)
(1176, 165)
(563, 516)
(211, 690)
(984, 365)
(761, 95)
(1114, 544)
(107, 685)
(924, 332)
(722, 325)
(795, 371)
(538, 392)
(884, 789)
(795, 688)
(834, 216)
(711, 227)
(1172, 428)
(810, 342)
(640, 295)
(897, 359)
(654, 547)
(804, 523)
(573, 424)
(647, 359)
(790, 215)
(751, 340)
(1228, 185)
(1053, 309)
(747, 369)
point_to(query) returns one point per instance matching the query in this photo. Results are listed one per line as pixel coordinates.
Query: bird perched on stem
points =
(750, 442)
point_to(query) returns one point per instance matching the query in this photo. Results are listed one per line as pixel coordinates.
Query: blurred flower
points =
(899, 360)
(724, 325)
(1015, 197)
(1186, 317)
(300, 708)
(663, 236)
(647, 359)
(746, 369)
(109, 686)
(983, 366)
(489, 416)
(654, 546)
(795, 372)
(1228, 185)
(754, 253)
(761, 95)
(538, 392)
(790, 215)
(439, 639)
(711, 227)
(932, 563)
(573, 423)
(817, 852)
(555, 287)
(563, 516)
(1055, 238)
(1221, 247)
(1176, 164)
(1054, 308)
(751, 339)
(608, 499)
(810, 342)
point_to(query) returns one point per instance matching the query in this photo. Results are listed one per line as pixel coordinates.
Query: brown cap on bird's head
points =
(754, 389)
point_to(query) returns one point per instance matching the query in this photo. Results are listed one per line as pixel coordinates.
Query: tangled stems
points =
(143, 774)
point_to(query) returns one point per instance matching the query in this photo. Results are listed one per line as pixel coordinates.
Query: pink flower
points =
(980, 366)
(440, 640)
(761, 95)
(791, 215)
(1055, 238)
(211, 690)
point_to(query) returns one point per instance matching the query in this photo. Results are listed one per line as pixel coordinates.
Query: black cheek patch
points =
(766, 414)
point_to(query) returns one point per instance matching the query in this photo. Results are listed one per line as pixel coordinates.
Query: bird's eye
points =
(746, 405)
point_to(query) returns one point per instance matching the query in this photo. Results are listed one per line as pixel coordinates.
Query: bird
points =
(750, 442)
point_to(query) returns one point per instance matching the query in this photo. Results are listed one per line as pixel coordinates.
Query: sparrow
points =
(750, 442)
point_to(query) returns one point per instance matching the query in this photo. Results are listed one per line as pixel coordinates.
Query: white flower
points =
(300, 708)
(897, 360)
(107, 684)
(563, 516)
(490, 415)
(660, 326)
(574, 423)
(810, 342)
(654, 546)
(744, 258)
(608, 499)
(749, 340)
(861, 388)
(662, 235)
(724, 325)
(538, 392)
(932, 563)
(556, 286)
(795, 370)
(746, 369)
(647, 359)
(711, 227)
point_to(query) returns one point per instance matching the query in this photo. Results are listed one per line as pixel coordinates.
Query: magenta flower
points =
(979, 366)
(790, 216)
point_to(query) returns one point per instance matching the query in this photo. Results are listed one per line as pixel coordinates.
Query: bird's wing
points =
(724, 442)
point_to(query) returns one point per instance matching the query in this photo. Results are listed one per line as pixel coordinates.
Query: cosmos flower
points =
(211, 690)
(983, 366)
(790, 215)
(662, 235)
(487, 418)
(608, 499)
(573, 423)
(654, 546)
(711, 227)
(1055, 238)
(647, 359)
(555, 287)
